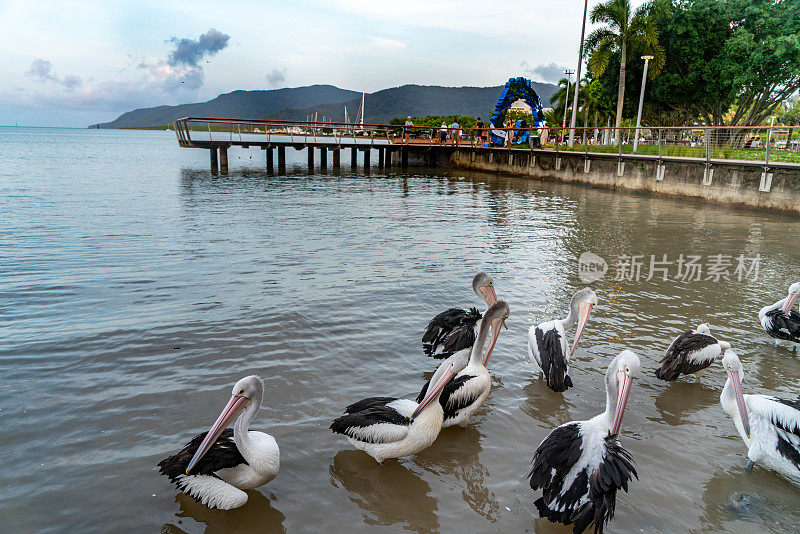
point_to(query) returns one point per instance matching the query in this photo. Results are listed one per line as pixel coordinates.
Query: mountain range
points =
(300, 103)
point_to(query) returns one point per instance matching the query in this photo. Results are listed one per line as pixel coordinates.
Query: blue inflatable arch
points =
(516, 89)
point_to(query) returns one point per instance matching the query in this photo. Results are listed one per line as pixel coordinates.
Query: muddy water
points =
(136, 288)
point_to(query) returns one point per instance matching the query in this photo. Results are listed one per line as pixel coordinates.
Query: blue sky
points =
(74, 63)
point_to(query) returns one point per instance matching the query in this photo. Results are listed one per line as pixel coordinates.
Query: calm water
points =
(137, 287)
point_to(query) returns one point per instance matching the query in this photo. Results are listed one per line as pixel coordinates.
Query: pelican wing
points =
(457, 395)
(377, 422)
(784, 326)
(613, 473)
(689, 352)
(222, 454)
(450, 331)
(553, 359)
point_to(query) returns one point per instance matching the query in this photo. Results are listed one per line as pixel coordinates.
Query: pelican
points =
(691, 353)
(386, 427)
(547, 343)
(581, 464)
(781, 322)
(769, 426)
(462, 397)
(215, 467)
(455, 329)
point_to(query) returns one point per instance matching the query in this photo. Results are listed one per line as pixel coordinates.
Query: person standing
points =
(443, 133)
(407, 129)
(455, 132)
(479, 132)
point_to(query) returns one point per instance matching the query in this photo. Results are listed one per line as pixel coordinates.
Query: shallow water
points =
(137, 287)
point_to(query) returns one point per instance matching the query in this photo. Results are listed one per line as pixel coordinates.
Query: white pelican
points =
(462, 397)
(455, 329)
(781, 322)
(581, 464)
(769, 426)
(216, 466)
(386, 427)
(547, 343)
(691, 353)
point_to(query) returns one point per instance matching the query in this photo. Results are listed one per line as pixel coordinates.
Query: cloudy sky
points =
(74, 63)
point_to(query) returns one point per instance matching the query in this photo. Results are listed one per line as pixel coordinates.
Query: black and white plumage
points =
(547, 342)
(691, 353)
(768, 425)
(216, 467)
(467, 392)
(455, 329)
(781, 322)
(580, 465)
(386, 427)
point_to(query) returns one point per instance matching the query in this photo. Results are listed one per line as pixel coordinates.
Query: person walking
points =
(407, 129)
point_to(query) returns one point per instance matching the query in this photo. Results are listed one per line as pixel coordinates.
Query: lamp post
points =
(641, 101)
(568, 72)
(578, 81)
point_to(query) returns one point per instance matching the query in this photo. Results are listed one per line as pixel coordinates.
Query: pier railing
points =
(756, 144)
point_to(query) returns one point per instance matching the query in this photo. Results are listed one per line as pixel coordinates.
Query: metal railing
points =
(763, 145)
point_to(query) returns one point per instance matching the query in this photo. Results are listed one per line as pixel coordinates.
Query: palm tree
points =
(558, 100)
(624, 31)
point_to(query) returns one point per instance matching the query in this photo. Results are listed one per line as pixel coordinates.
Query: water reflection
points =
(387, 494)
(680, 400)
(257, 515)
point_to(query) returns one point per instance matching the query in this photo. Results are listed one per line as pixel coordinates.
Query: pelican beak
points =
(737, 389)
(584, 310)
(232, 409)
(624, 380)
(495, 335)
(434, 391)
(489, 294)
(789, 303)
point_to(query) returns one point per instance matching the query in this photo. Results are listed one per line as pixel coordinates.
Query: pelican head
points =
(440, 378)
(733, 366)
(619, 377)
(246, 393)
(496, 316)
(703, 328)
(794, 291)
(582, 304)
(483, 286)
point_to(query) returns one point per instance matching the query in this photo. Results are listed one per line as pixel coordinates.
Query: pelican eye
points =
(241, 392)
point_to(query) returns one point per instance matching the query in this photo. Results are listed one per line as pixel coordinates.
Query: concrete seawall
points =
(722, 182)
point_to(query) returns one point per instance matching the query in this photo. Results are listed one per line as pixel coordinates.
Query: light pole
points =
(566, 101)
(641, 101)
(578, 81)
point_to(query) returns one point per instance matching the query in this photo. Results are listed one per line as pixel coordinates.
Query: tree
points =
(624, 31)
(790, 117)
(559, 99)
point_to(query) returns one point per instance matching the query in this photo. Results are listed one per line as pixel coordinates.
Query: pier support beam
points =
(281, 159)
(223, 159)
(336, 155)
(353, 157)
(310, 158)
(380, 158)
(213, 154)
(323, 157)
(366, 159)
(404, 157)
(388, 160)
(269, 159)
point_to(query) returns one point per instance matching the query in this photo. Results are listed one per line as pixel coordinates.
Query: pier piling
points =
(281, 159)
(310, 158)
(388, 161)
(269, 159)
(213, 153)
(366, 159)
(323, 157)
(336, 156)
(380, 158)
(223, 159)
(353, 157)
(404, 158)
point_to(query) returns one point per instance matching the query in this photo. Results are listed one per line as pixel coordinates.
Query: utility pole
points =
(568, 72)
(641, 101)
(578, 81)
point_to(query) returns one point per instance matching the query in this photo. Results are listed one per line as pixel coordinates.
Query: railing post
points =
(769, 142)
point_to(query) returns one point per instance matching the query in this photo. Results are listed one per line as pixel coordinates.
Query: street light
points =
(566, 101)
(578, 81)
(641, 101)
